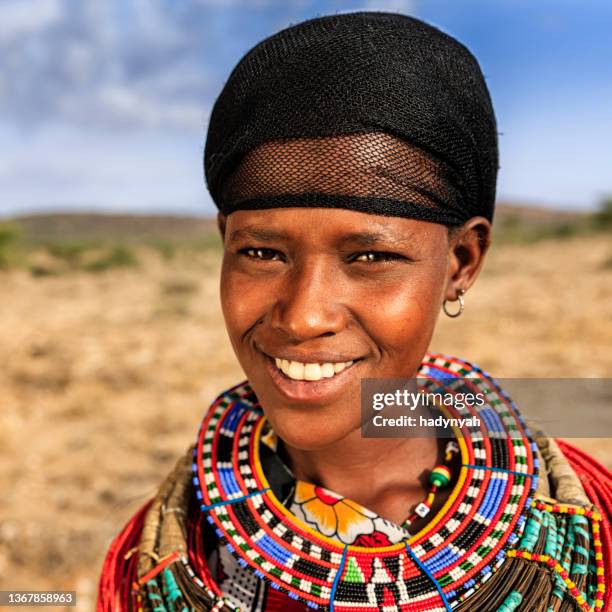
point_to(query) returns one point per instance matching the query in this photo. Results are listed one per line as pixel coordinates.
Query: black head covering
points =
(376, 112)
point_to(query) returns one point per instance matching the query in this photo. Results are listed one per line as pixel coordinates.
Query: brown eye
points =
(376, 256)
(262, 254)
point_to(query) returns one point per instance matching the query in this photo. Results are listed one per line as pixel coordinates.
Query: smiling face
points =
(316, 299)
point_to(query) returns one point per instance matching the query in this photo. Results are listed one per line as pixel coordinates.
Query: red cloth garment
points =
(118, 573)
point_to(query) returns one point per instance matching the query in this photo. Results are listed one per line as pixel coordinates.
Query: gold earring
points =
(453, 315)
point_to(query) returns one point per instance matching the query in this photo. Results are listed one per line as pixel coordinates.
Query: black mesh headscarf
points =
(374, 112)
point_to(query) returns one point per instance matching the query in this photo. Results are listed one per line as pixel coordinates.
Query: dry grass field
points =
(105, 373)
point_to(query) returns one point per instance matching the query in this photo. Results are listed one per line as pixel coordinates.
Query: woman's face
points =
(316, 299)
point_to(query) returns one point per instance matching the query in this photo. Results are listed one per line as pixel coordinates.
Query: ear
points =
(468, 247)
(221, 223)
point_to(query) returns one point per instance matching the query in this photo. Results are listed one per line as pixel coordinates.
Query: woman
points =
(353, 159)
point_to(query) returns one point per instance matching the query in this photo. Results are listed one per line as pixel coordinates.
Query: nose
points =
(310, 303)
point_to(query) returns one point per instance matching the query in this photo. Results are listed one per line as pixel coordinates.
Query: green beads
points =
(440, 476)
(531, 532)
(512, 602)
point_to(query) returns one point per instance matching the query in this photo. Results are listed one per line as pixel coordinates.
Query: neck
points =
(386, 475)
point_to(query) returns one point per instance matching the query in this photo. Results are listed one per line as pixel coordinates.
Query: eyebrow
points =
(364, 239)
(373, 238)
(255, 233)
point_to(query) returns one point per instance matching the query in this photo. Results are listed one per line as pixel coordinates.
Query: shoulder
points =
(156, 533)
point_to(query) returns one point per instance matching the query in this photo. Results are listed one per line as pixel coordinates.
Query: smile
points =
(297, 370)
(311, 381)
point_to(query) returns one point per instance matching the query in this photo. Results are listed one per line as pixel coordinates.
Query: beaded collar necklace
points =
(442, 565)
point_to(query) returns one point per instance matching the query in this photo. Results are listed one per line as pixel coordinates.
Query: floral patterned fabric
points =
(343, 519)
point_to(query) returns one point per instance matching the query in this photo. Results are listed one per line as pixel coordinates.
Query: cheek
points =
(245, 301)
(402, 318)
(238, 303)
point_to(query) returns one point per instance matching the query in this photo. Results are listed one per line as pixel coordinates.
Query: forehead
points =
(329, 225)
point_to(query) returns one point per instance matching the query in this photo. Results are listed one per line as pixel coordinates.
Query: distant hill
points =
(90, 227)
(537, 214)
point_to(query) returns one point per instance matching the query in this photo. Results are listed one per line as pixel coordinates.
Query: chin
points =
(308, 433)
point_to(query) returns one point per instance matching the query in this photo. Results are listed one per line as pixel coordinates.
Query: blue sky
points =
(104, 103)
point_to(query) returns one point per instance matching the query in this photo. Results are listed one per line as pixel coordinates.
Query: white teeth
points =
(327, 370)
(296, 370)
(338, 367)
(310, 371)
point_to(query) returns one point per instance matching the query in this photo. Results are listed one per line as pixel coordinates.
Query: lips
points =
(310, 381)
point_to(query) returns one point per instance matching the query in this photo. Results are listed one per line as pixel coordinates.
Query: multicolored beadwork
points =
(435, 569)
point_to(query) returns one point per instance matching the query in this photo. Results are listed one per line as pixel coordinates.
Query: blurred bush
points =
(178, 286)
(116, 257)
(602, 219)
(9, 232)
(69, 252)
(165, 248)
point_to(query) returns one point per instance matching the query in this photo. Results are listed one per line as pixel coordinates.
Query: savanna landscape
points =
(112, 345)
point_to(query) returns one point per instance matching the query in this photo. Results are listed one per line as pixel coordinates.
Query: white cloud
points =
(22, 17)
(127, 106)
(106, 63)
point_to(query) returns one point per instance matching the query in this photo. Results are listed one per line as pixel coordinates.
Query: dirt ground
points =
(104, 378)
